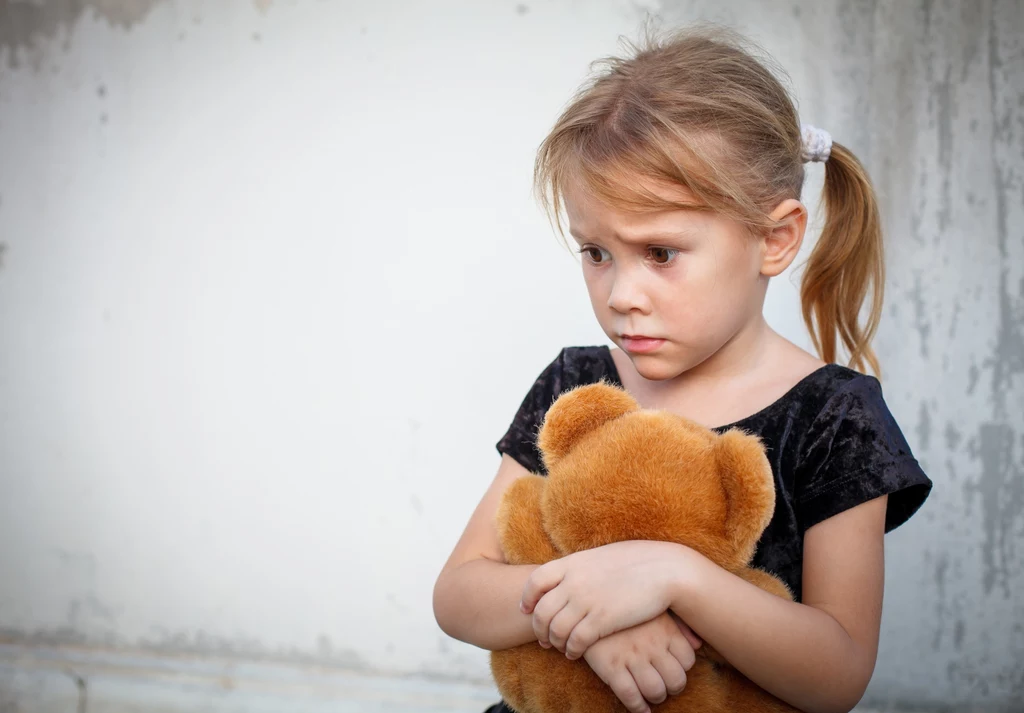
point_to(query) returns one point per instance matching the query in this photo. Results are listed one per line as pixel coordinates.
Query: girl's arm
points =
(817, 655)
(476, 596)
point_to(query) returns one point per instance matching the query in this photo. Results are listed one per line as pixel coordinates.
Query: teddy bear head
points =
(619, 472)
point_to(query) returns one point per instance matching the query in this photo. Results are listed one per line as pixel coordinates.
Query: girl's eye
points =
(595, 256)
(663, 256)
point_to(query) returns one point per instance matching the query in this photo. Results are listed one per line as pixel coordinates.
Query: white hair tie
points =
(817, 143)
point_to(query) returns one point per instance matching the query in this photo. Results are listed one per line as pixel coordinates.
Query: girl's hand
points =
(645, 664)
(589, 595)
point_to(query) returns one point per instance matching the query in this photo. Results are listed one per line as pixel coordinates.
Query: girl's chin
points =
(656, 366)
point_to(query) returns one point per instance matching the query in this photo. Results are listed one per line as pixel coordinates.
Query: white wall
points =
(274, 284)
(266, 306)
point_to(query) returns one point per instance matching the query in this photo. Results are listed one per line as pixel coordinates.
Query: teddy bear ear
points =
(576, 413)
(750, 490)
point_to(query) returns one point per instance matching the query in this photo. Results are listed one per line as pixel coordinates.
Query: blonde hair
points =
(696, 107)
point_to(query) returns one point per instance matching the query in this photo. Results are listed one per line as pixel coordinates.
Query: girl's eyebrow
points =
(642, 239)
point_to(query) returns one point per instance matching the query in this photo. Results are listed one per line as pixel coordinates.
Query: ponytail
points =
(846, 262)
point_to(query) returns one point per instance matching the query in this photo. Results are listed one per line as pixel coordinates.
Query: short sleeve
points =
(520, 440)
(855, 452)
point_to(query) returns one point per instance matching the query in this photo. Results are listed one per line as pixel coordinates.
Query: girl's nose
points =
(627, 294)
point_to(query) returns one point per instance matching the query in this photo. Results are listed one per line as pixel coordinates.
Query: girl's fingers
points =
(541, 581)
(626, 690)
(682, 652)
(649, 681)
(695, 641)
(583, 636)
(563, 623)
(546, 610)
(671, 672)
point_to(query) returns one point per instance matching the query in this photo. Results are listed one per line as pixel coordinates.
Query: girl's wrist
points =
(684, 577)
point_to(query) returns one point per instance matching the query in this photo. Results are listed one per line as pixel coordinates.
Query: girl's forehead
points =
(591, 218)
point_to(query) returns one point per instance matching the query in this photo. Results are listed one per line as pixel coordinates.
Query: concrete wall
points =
(262, 262)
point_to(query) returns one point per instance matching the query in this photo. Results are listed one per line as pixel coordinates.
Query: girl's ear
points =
(781, 244)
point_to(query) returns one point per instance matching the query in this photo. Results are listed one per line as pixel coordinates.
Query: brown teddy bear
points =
(619, 472)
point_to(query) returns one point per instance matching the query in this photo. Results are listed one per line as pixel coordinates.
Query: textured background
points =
(272, 284)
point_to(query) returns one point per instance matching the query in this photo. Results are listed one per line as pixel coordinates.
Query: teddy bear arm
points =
(520, 527)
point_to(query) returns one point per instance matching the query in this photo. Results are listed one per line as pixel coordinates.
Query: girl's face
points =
(670, 288)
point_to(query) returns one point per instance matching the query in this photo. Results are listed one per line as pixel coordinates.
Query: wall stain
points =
(921, 323)
(1000, 486)
(392, 599)
(953, 436)
(25, 26)
(88, 607)
(957, 307)
(10, 702)
(201, 643)
(941, 568)
(944, 100)
(924, 426)
(973, 374)
(83, 691)
(193, 643)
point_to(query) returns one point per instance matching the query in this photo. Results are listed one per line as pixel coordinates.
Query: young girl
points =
(680, 171)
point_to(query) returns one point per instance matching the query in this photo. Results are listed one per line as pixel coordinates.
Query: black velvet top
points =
(831, 441)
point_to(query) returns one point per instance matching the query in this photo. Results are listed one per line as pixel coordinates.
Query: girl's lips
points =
(639, 344)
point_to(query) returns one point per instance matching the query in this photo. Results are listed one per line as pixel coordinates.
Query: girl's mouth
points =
(640, 344)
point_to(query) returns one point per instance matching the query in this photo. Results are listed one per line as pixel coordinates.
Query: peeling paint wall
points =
(260, 261)
(950, 78)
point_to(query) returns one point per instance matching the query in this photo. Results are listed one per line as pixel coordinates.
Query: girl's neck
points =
(755, 368)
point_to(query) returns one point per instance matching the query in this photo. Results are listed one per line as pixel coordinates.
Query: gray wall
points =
(121, 461)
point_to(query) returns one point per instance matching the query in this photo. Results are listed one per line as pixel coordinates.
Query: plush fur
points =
(619, 472)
